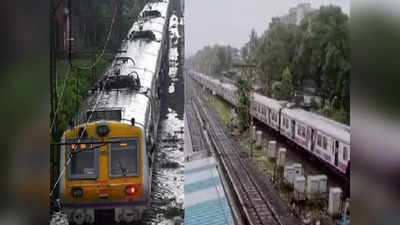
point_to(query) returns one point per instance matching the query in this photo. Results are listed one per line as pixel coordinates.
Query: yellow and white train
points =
(108, 155)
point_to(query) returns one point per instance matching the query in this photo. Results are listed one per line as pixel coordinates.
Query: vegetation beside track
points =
(223, 108)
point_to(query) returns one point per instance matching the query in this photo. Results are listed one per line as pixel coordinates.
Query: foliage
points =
(222, 107)
(329, 109)
(90, 34)
(243, 107)
(76, 88)
(248, 50)
(286, 86)
(213, 59)
(318, 49)
(274, 52)
(92, 18)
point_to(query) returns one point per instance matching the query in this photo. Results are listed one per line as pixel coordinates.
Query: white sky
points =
(209, 22)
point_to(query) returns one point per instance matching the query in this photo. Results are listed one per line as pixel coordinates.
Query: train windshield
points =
(84, 164)
(124, 158)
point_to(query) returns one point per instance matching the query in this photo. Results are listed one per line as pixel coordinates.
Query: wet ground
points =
(168, 180)
(168, 176)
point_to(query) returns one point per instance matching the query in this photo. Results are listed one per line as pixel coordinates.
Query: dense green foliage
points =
(285, 90)
(90, 35)
(92, 19)
(75, 90)
(317, 50)
(243, 107)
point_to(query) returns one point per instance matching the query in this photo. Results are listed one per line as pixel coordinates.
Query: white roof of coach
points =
(269, 102)
(145, 55)
(228, 86)
(326, 125)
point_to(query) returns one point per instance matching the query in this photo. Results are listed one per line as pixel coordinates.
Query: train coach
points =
(322, 137)
(108, 154)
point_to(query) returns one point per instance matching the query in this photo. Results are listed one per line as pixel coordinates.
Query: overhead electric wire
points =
(66, 78)
(105, 45)
(83, 131)
(80, 67)
(97, 100)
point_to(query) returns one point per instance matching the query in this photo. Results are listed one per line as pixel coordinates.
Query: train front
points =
(106, 173)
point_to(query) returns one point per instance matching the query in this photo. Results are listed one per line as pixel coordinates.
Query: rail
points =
(255, 201)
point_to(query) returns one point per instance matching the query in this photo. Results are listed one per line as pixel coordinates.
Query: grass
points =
(223, 108)
(76, 87)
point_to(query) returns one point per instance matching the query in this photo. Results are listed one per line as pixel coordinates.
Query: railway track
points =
(260, 203)
(194, 125)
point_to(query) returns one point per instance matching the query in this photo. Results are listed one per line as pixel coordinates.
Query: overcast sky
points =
(209, 22)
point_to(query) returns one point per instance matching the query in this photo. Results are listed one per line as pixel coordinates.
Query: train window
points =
(301, 131)
(324, 143)
(124, 158)
(144, 34)
(344, 153)
(83, 165)
(285, 123)
(264, 112)
(151, 13)
(319, 140)
(274, 117)
(111, 114)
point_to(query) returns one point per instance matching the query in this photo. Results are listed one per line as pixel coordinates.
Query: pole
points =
(53, 95)
(70, 30)
(118, 28)
(250, 82)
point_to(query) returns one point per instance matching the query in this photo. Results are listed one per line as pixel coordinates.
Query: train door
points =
(293, 128)
(336, 150)
(312, 139)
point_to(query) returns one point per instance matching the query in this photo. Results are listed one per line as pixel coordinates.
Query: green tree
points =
(248, 51)
(286, 87)
(212, 60)
(243, 108)
(275, 52)
(324, 53)
(318, 50)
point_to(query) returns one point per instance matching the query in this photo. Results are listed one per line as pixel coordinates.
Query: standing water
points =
(168, 180)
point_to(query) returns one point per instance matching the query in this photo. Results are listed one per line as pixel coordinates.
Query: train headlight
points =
(102, 129)
(130, 190)
(77, 192)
